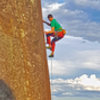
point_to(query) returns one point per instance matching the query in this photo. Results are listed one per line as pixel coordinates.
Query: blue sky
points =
(76, 65)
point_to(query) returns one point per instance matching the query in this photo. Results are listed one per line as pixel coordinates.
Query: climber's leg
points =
(49, 39)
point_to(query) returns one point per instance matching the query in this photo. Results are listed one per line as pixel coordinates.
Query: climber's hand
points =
(46, 22)
(45, 32)
(43, 21)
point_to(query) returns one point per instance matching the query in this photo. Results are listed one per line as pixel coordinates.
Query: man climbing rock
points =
(56, 31)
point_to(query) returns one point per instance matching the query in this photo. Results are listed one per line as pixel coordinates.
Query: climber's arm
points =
(52, 31)
(46, 23)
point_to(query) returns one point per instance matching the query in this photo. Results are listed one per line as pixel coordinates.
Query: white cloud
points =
(71, 87)
(83, 60)
(91, 59)
(67, 93)
(50, 8)
(55, 6)
(87, 83)
(60, 67)
(89, 3)
(87, 29)
(84, 82)
(60, 9)
(76, 54)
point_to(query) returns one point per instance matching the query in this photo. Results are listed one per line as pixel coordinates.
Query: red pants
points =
(56, 38)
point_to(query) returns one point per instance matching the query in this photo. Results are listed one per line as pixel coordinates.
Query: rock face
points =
(23, 63)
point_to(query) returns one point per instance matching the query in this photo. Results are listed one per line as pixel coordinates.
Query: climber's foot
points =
(48, 47)
(51, 55)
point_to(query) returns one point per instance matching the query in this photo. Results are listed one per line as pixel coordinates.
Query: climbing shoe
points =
(48, 47)
(51, 55)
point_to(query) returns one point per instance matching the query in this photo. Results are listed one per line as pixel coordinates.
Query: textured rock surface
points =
(23, 65)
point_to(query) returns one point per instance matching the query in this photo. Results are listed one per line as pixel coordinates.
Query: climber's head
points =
(50, 17)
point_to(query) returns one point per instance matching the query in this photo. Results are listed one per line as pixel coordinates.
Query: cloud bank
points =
(79, 86)
(78, 54)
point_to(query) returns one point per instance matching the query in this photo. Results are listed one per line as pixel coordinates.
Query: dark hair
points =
(50, 16)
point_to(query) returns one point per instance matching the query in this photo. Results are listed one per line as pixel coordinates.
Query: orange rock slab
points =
(23, 62)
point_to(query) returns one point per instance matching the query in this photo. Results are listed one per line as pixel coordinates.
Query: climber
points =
(56, 31)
